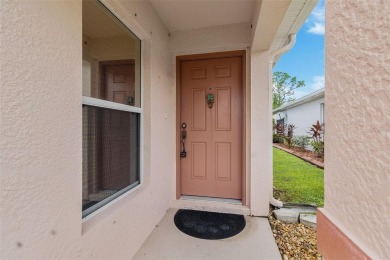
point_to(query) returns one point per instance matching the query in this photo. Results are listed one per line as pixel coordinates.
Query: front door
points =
(119, 83)
(211, 108)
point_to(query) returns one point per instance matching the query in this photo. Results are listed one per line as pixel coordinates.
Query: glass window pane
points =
(110, 153)
(111, 57)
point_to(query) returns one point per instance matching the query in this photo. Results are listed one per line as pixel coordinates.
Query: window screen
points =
(110, 155)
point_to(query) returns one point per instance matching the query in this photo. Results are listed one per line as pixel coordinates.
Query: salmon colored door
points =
(119, 83)
(213, 163)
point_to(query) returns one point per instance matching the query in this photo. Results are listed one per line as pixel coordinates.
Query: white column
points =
(261, 133)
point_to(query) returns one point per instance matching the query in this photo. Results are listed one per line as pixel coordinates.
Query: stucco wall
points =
(357, 144)
(304, 116)
(261, 133)
(41, 159)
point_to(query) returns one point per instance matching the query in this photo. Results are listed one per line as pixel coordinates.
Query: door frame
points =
(179, 60)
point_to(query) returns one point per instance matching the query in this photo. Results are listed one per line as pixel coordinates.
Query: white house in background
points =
(302, 112)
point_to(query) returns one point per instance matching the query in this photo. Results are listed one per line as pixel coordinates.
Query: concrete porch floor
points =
(167, 242)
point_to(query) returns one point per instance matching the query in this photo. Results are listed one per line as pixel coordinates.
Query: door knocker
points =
(210, 100)
(130, 100)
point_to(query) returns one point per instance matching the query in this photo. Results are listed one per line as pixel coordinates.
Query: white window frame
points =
(95, 102)
(322, 113)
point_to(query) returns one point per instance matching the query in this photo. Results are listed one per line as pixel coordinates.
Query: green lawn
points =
(296, 180)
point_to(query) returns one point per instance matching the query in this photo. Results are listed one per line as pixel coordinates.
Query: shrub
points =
(279, 128)
(301, 141)
(288, 134)
(317, 133)
(278, 134)
(285, 133)
(318, 147)
(277, 139)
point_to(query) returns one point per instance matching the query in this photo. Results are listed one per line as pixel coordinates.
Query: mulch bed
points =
(305, 155)
(295, 241)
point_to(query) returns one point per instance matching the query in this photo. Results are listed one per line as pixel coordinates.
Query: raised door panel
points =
(198, 73)
(199, 160)
(223, 109)
(222, 71)
(198, 110)
(119, 96)
(223, 161)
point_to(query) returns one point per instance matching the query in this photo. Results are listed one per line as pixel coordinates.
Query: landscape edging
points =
(306, 159)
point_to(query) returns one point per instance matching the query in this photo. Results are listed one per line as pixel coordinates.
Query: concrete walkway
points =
(167, 242)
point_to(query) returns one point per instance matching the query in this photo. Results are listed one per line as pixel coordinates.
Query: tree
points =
(283, 86)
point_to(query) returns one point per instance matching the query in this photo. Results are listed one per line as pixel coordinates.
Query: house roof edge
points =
(305, 99)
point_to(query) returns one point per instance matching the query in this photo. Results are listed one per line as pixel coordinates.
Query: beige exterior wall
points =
(357, 144)
(41, 159)
(261, 133)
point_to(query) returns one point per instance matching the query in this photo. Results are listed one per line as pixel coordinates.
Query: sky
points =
(306, 59)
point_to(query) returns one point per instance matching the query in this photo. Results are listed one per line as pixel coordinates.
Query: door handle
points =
(183, 153)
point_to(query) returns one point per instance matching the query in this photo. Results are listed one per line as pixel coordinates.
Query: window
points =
(322, 111)
(280, 121)
(111, 69)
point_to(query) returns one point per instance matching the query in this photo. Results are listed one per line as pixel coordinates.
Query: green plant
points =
(301, 141)
(283, 86)
(278, 133)
(318, 147)
(276, 139)
(317, 133)
(285, 133)
(288, 134)
(279, 129)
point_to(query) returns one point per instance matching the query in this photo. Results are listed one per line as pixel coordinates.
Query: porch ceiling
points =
(296, 15)
(272, 20)
(179, 15)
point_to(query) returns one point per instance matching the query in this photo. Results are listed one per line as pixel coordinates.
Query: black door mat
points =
(209, 225)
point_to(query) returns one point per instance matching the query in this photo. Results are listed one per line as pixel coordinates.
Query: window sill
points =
(101, 214)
